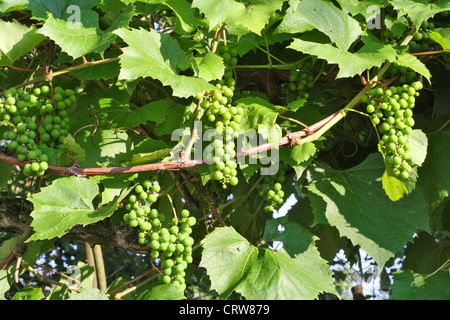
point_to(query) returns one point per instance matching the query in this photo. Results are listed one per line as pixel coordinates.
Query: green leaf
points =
(395, 189)
(79, 38)
(350, 64)
(89, 294)
(67, 202)
(160, 292)
(257, 111)
(303, 152)
(16, 40)
(294, 22)
(409, 285)
(185, 14)
(252, 16)
(327, 18)
(256, 14)
(441, 36)
(156, 55)
(29, 293)
(233, 264)
(209, 67)
(357, 205)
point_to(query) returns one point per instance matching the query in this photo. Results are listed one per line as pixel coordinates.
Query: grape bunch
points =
(405, 74)
(38, 123)
(272, 191)
(391, 111)
(422, 41)
(170, 241)
(301, 79)
(226, 118)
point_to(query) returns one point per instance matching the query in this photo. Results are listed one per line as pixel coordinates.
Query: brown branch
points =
(290, 139)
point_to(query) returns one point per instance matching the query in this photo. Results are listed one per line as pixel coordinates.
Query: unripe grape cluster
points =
(405, 74)
(38, 123)
(391, 111)
(422, 41)
(225, 118)
(170, 241)
(271, 190)
(301, 79)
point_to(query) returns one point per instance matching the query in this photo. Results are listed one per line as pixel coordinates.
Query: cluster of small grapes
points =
(391, 111)
(38, 123)
(170, 241)
(301, 79)
(422, 41)
(272, 191)
(405, 74)
(226, 119)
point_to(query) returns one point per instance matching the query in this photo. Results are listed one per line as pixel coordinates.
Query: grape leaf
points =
(209, 67)
(29, 293)
(357, 205)
(294, 22)
(395, 189)
(303, 152)
(16, 40)
(67, 202)
(257, 111)
(252, 16)
(156, 55)
(438, 35)
(409, 285)
(327, 18)
(233, 264)
(350, 64)
(79, 38)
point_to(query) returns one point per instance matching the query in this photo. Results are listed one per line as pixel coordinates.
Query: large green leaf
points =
(371, 54)
(156, 55)
(252, 16)
(67, 202)
(16, 40)
(359, 208)
(341, 28)
(79, 38)
(233, 264)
